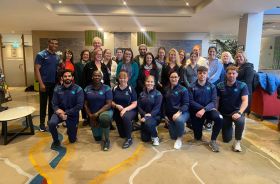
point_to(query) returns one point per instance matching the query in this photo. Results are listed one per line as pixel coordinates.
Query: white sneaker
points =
(236, 146)
(155, 141)
(178, 143)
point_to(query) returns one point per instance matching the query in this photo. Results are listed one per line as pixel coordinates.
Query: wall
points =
(267, 51)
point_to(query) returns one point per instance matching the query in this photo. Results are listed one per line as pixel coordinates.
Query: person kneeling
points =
(68, 100)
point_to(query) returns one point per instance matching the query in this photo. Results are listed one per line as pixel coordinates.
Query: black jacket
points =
(246, 74)
(88, 70)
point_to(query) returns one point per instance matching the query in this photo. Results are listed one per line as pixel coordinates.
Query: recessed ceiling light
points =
(100, 29)
(142, 30)
(60, 2)
(124, 2)
(187, 4)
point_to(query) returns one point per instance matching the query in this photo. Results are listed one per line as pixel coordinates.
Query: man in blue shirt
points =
(203, 96)
(232, 102)
(45, 69)
(68, 100)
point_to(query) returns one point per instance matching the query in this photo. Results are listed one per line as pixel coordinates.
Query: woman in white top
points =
(111, 66)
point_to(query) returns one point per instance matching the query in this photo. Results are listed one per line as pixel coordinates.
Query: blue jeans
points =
(148, 128)
(177, 127)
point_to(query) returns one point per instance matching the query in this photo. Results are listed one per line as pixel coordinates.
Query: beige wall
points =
(267, 52)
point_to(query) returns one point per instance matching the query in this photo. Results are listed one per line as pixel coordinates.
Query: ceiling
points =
(218, 17)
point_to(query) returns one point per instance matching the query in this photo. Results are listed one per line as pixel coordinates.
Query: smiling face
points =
(174, 78)
(107, 55)
(225, 58)
(212, 53)
(123, 78)
(68, 55)
(172, 57)
(67, 78)
(85, 56)
(150, 83)
(202, 75)
(231, 76)
(239, 58)
(96, 77)
(149, 59)
(161, 54)
(142, 50)
(193, 58)
(127, 56)
(98, 55)
(182, 56)
(53, 45)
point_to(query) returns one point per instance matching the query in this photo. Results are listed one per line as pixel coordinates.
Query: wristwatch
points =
(239, 113)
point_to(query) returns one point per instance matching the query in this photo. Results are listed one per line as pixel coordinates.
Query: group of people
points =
(149, 89)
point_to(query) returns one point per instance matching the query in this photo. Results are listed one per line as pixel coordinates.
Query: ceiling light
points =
(60, 2)
(124, 2)
(100, 29)
(142, 30)
(187, 4)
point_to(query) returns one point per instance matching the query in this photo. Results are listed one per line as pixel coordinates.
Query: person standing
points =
(203, 96)
(139, 59)
(79, 70)
(232, 102)
(68, 100)
(45, 70)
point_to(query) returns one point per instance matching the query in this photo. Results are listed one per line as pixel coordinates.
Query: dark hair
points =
(153, 60)
(161, 48)
(110, 61)
(174, 71)
(231, 67)
(129, 50)
(82, 53)
(52, 39)
(119, 49)
(64, 55)
(212, 47)
(202, 69)
(67, 70)
(194, 53)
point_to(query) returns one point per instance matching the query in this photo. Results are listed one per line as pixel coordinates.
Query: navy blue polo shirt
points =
(203, 96)
(70, 99)
(97, 98)
(149, 102)
(176, 99)
(124, 97)
(230, 96)
(49, 63)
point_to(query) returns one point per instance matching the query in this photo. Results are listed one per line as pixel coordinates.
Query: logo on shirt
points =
(126, 93)
(152, 96)
(208, 88)
(73, 92)
(176, 92)
(100, 92)
(235, 90)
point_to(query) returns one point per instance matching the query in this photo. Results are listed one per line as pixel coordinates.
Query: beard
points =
(67, 82)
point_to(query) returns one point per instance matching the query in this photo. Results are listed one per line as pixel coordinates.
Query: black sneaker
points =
(42, 128)
(106, 145)
(127, 143)
(55, 144)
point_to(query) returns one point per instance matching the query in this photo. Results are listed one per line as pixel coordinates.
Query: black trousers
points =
(46, 99)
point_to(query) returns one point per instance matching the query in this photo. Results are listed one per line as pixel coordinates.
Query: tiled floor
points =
(29, 159)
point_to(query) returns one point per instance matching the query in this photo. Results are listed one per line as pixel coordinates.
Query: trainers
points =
(208, 125)
(106, 145)
(155, 141)
(127, 143)
(236, 146)
(178, 144)
(214, 146)
(42, 128)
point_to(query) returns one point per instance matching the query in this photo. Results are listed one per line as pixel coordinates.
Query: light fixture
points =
(187, 4)
(100, 29)
(142, 30)
(60, 2)
(124, 2)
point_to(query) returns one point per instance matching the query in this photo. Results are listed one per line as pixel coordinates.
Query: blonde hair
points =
(231, 60)
(177, 56)
(243, 54)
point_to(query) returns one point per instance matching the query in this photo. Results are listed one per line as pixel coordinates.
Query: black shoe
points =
(97, 138)
(106, 145)
(42, 128)
(112, 127)
(127, 143)
(55, 144)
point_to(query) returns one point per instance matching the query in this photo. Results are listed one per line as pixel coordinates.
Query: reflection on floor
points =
(29, 159)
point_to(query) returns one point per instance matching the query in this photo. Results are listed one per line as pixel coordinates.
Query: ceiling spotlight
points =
(60, 2)
(100, 29)
(142, 30)
(124, 2)
(187, 4)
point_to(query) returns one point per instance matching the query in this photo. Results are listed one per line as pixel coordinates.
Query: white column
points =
(249, 35)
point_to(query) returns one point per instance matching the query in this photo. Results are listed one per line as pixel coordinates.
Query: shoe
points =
(42, 128)
(208, 125)
(236, 146)
(214, 146)
(55, 144)
(106, 145)
(155, 141)
(127, 143)
(3, 108)
(178, 144)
